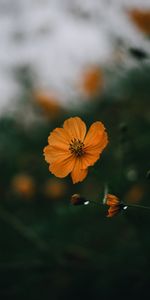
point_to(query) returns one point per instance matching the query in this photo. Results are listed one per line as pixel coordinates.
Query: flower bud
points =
(76, 199)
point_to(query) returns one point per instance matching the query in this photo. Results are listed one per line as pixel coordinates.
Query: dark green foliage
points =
(52, 250)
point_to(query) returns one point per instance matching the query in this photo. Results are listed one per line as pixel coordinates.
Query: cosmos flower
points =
(72, 149)
(135, 193)
(115, 206)
(141, 19)
(92, 81)
(48, 104)
(54, 189)
(23, 185)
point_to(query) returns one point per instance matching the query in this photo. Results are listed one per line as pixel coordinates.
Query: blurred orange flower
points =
(54, 189)
(92, 81)
(48, 103)
(115, 206)
(135, 193)
(23, 185)
(71, 150)
(141, 19)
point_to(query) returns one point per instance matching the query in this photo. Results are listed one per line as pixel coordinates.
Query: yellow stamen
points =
(76, 147)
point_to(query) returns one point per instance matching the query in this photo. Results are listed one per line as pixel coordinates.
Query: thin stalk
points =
(125, 204)
(138, 206)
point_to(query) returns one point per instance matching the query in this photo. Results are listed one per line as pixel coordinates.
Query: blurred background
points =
(58, 59)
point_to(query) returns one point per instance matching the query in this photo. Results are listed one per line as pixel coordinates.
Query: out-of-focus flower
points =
(76, 199)
(71, 150)
(92, 81)
(135, 194)
(54, 189)
(48, 104)
(23, 185)
(115, 206)
(141, 19)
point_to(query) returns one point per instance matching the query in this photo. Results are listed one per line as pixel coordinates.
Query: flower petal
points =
(95, 141)
(75, 128)
(78, 174)
(89, 159)
(59, 138)
(113, 210)
(61, 168)
(52, 154)
(112, 200)
(58, 145)
(96, 137)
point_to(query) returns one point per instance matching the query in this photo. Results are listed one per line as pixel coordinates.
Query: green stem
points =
(95, 202)
(138, 206)
(125, 204)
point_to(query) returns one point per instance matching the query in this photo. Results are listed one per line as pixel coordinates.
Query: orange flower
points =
(48, 103)
(23, 185)
(92, 81)
(54, 189)
(141, 19)
(135, 193)
(115, 206)
(71, 150)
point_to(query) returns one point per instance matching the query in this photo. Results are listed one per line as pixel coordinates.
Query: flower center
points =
(76, 147)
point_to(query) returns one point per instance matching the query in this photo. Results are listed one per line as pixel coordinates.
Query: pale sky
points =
(57, 39)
